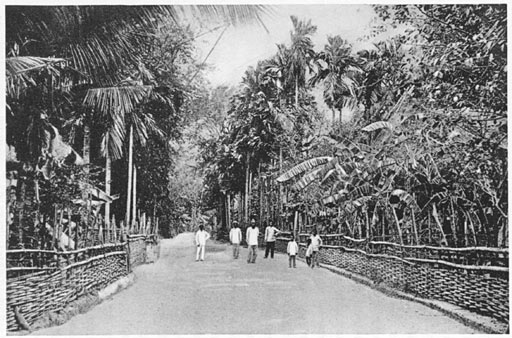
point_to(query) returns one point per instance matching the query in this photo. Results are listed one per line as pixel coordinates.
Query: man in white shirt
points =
(251, 236)
(270, 239)
(292, 249)
(235, 237)
(316, 242)
(201, 237)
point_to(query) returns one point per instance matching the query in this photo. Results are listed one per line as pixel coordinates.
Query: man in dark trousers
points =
(270, 239)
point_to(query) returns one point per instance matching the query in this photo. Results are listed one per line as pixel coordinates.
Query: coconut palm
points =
(338, 71)
(301, 54)
(101, 44)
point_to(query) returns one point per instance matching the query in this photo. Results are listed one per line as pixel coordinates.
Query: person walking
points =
(270, 239)
(235, 237)
(251, 236)
(316, 241)
(201, 237)
(309, 252)
(292, 251)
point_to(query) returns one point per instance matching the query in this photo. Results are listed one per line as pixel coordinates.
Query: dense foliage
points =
(424, 156)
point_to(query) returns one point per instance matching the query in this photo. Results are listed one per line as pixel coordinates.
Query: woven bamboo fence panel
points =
(137, 249)
(37, 293)
(152, 249)
(472, 278)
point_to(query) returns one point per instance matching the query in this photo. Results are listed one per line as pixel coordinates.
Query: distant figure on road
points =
(292, 251)
(251, 236)
(309, 252)
(270, 239)
(201, 237)
(235, 237)
(316, 241)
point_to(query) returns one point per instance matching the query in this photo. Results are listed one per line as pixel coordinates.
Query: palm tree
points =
(101, 44)
(301, 54)
(338, 71)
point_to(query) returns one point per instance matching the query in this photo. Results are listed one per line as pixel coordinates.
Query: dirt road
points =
(177, 295)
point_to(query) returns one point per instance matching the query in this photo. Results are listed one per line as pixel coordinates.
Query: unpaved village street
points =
(177, 295)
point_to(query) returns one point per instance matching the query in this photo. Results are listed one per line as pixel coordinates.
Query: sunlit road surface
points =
(177, 295)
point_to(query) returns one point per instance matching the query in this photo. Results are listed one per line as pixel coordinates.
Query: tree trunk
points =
(297, 91)
(129, 189)
(398, 226)
(86, 195)
(260, 186)
(368, 225)
(108, 170)
(414, 228)
(280, 194)
(246, 199)
(134, 198)
(228, 211)
(436, 218)
(295, 223)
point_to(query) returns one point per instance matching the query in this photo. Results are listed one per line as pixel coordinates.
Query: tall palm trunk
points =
(129, 189)
(108, 170)
(247, 179)
(297, 91)
(86, 195)
(228, 211)
(260, 184)
(21, 206)
(134, 198)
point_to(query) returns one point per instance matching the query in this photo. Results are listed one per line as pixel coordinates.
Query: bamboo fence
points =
(474, 278)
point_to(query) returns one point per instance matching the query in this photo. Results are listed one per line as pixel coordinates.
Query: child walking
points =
(309, 252)
(292, 251)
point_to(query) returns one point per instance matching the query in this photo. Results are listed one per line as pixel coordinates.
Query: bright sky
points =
(243, 46)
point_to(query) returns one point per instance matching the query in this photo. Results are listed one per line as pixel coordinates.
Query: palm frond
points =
(306, 180)
(303, 167)
(18, 65)
(377, 126)
(21, 72)
(99, 40)
(115, 136)
(116, 100)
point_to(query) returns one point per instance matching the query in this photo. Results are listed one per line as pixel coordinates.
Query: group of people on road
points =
(251, 237)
